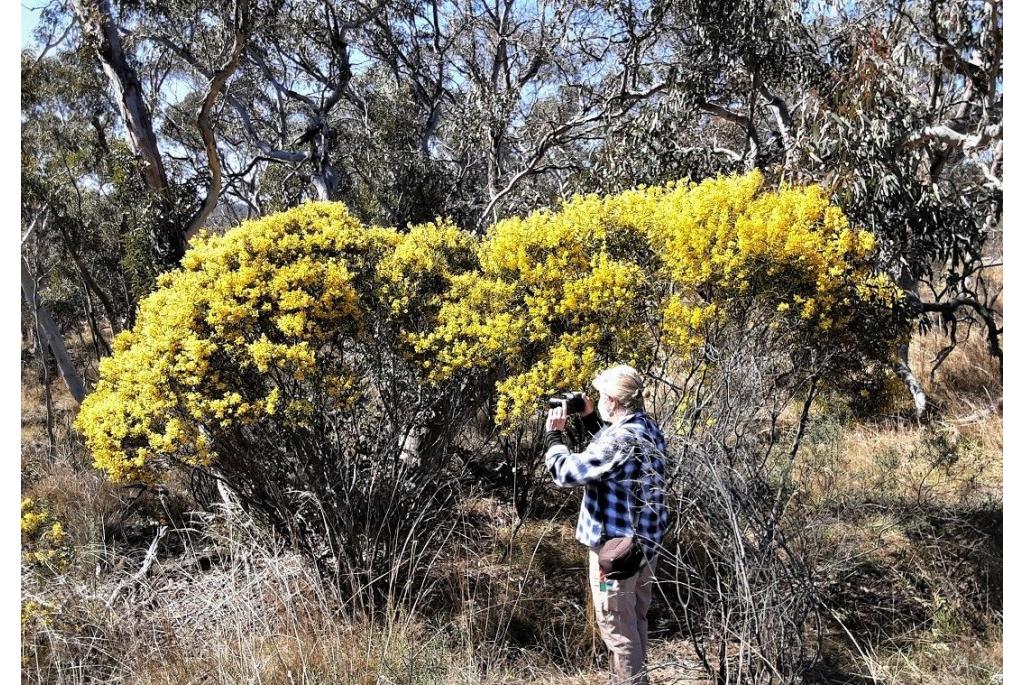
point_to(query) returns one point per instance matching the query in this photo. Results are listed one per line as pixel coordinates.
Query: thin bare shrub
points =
(735, 569)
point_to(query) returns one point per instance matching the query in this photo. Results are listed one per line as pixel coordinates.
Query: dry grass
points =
(968, 383)
(911, 464)
(909, 545)
(933, 659)
(905, 521)
(262, 615)
(954, 457)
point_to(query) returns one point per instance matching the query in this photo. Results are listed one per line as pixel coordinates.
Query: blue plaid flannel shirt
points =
(623, 460)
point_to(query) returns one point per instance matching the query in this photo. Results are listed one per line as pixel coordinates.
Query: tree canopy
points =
(143, 123)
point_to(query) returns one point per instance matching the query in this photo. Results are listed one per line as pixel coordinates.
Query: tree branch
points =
(213, 90)
(265, 148)
(951, 306)
(51, 335)
(945, 134)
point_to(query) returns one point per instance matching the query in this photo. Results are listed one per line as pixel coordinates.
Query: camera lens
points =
(574, 402)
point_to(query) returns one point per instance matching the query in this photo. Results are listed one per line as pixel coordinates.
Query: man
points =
(623, 473)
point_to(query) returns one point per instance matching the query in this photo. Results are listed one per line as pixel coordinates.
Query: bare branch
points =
(244, 116)
(213, 90)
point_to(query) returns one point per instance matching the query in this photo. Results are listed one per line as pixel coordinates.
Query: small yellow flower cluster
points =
(43, 540)
(571, 363)
(556, 294)
(683, 323)
(422, 265)
(725, 240)
(33, 612)
(476, 326)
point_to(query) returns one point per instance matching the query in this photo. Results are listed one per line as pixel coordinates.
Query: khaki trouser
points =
(621, 611)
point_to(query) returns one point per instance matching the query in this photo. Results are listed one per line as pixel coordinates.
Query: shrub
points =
(639, 275)
(294, 357)
(271, 360)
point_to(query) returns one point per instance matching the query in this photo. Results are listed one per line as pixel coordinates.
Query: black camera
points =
(574, 402)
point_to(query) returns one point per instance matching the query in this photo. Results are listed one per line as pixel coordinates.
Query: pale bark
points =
(784, 122)
(559, 134)
(745, 122)
(97, 22)
(213, 91)
(244, 117)
(96, 19)
(945, 134)
(327, 178)
(902, 369)
(51, 336)
(51, 439)
(143, 571)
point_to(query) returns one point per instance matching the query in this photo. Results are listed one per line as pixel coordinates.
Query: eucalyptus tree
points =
(894, 106)
(426, 108)
(910, 136)
(411, 109)
(302, 115)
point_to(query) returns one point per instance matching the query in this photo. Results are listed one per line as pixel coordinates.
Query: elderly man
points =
(623, 473)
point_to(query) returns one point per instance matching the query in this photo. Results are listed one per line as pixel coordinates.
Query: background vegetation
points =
(870, 481)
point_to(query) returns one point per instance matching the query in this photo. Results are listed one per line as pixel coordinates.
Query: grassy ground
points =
(908, 521)
(915, 572)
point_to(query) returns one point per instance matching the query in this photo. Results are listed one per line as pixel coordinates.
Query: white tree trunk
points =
(913, 385)
(97, 21)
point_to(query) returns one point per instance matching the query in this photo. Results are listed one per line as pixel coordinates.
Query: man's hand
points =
(588, 405)
(556, 419)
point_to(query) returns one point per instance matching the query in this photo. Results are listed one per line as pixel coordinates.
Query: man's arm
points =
(570, 469)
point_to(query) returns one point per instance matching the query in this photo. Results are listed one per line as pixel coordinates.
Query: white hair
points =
(624, 384)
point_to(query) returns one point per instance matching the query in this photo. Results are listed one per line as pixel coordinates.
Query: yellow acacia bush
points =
(611, 279)
(223, 341)
(252, 325)
(726, 245)
(300, 357)
(419, 270)
(262, 321)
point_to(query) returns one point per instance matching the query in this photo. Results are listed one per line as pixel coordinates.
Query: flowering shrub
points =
(295, 355)
(559, 294)
(269, 358)
(421, 266)
(43, 540)
(257, 320)
(244, 331)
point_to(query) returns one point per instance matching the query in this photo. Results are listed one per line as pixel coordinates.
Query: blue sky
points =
(29, 19)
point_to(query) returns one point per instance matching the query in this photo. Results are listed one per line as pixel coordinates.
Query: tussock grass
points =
(908, 538)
